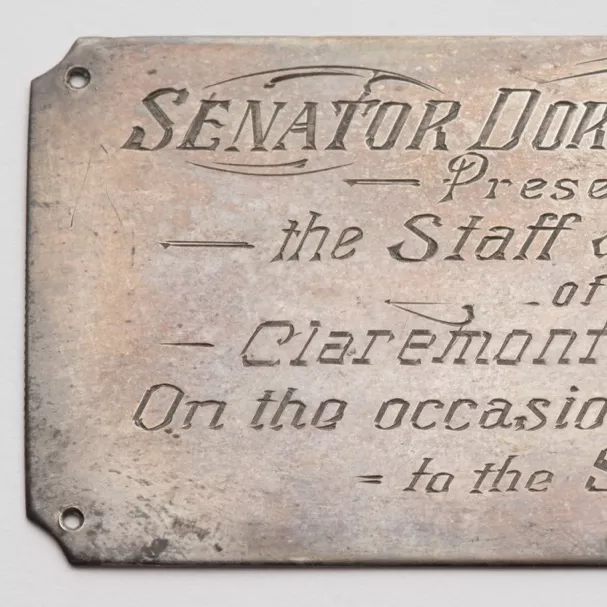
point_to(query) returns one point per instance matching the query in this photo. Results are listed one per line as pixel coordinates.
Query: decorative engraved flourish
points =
(468, 308)
(277, 79)
(260, 174)
(298, 164)
(574, 76)
(306, 71)
(592, 61)
(581, 75)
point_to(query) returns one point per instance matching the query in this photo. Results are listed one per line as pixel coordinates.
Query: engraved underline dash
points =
(370, 479)
(412, 182)
(192, 344)
(228, 244)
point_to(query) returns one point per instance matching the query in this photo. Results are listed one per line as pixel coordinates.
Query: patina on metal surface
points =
(319, 301)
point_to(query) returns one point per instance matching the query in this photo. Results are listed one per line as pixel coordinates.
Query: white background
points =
(34, 35)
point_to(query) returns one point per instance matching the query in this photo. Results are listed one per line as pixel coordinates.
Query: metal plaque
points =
(298, 300)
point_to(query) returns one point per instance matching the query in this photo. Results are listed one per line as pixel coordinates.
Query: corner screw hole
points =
(77, 77)
(71, 519)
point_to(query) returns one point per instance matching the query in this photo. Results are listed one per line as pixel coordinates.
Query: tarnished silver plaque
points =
(319, 301)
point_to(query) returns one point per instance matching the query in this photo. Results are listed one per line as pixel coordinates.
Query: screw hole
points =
(77, 77)
(71, 519)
